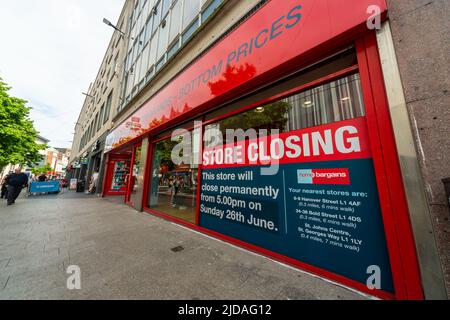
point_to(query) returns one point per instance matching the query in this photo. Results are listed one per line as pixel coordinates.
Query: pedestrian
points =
(16, 182)
(42, 177)
(4, 193)
(94, 182)
(177, 184)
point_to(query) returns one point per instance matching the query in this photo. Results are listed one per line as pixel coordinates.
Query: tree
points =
(45, 169)
(17, 133)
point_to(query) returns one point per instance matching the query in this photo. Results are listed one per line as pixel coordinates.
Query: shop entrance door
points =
(132, 188)
(117, 171)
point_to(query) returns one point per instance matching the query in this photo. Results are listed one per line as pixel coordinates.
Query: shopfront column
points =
(141, 175)
(101, 173)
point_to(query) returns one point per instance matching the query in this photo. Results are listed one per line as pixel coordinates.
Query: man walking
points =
(5, 186)
(16, 182)
(94, 183)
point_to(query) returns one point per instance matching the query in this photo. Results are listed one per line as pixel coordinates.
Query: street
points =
(124, 254)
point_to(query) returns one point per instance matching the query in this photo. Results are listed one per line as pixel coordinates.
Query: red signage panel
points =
(342, 140)
(277, 34)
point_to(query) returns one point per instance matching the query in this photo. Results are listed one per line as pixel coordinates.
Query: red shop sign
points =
(277, 35)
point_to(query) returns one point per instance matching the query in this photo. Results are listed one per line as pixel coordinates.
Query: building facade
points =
(312, 138)
(99, 108)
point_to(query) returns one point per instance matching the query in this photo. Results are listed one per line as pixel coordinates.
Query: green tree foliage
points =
(17, 133)
(45, 169)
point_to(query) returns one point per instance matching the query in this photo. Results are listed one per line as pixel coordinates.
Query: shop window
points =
(173, 188)
(120, 172)
(332, 102)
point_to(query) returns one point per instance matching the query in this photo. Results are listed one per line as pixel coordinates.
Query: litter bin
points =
(446, 182)
(81, 186)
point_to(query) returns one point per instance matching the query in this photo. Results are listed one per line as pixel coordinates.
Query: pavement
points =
(124, 254)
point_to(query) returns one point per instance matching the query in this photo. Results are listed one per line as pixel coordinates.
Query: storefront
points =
(287, 148)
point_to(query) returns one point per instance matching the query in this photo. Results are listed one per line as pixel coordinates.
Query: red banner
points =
(278, 34)
(342, 140)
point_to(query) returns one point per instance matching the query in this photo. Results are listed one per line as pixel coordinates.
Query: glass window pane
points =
(165, 7)
(151, 4)
(175, 20)
(108, 107)
(148, 29)
(144, 64)
(160, 63)
(146, 10)
(133, 32)
(96, 123)
(173, 49)
(141, 42)
(129, 84)
(210, 9)
(137, 71)
(139, 24)
(153, 47)
(173, 187)
(135, 51)
(157, 17)
(190, 11)
(162, 41)
(332, 102)
(189, 32)
(128, 61)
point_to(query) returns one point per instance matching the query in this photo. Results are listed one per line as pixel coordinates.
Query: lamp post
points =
(109, 23)
(87, 95)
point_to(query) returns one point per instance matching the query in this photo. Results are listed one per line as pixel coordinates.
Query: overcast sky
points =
(50, 51)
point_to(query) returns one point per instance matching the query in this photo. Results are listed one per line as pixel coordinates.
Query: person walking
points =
(16, 182)
(4, 194)
(94, 183)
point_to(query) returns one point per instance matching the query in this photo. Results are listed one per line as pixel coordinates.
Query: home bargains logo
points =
(324, 176)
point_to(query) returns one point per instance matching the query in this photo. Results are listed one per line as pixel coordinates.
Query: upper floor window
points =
(159, 29)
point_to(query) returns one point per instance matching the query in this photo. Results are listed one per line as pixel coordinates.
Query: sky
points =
(50, 51)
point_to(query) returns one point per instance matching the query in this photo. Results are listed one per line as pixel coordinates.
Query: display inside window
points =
(121, 170)
(173, 188)
(332, 102)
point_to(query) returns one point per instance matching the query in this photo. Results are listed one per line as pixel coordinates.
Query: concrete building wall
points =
(421, 34)
(231, 12)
